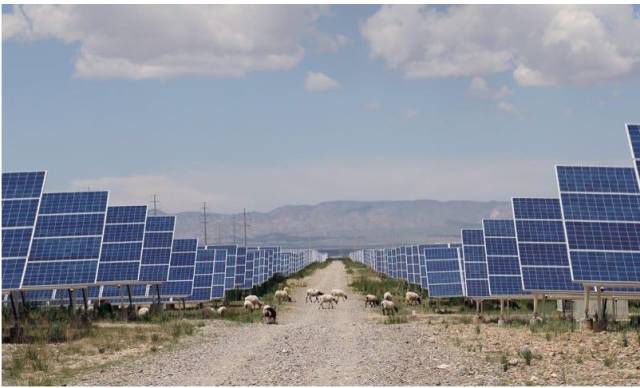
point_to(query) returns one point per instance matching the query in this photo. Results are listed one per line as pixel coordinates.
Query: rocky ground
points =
(349, 346)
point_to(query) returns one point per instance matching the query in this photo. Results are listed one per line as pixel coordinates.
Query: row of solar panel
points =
(588, 236)
(62, 241)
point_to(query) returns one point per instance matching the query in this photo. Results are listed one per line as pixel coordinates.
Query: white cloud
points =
(480, 88)
(506, 107)
(149, 41)
(331, 44)
(319, 82)
(330, 180)
(540, 45)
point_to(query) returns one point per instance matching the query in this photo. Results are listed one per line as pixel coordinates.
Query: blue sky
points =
(352, 102)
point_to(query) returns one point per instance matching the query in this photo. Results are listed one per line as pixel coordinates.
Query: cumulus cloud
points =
(480, 88)
(319, 82)
(539, 45)
(159, 41)
(320, 181)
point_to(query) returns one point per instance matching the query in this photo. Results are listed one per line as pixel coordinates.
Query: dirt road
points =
(309, 346)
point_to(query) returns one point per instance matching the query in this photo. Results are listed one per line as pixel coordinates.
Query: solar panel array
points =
(21, 194)
(475, 263)
(501, 251)
(181, 269)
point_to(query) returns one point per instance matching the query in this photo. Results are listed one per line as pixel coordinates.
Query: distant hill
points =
(345, 224)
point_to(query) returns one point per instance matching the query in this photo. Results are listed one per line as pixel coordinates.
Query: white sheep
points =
(254, 300)
(248, 305)
(221, 310)
(269, 313)
(388, 307)
(282, 295)
(412, 298)
(313, 293)
(388, 296)
(330, 299)
(371, 300)
(338, 293)
(143, 311)
(287, 290)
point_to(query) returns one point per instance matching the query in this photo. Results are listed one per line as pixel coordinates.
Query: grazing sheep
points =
(221, 310)
(330, 299)
(282, 295)
(388, 296)
(248, 305)
(254, 300)
(143, 311)
(287, 290)
(338, 293)
(313, 293)
(371, 301)
(388, 307)
(269, 313)
(412, 298)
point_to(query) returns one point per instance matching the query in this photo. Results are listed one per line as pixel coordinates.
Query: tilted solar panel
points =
(542, 247)
(181, 269)
(444, 272)
(241, 267)
(501, 250)
(67, 240)
(21, 195)
(248, 275)
(601, 212)
(203, 275)
(156, 250)
(475, 263)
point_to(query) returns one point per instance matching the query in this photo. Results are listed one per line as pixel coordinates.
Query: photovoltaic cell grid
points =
(67, 240)
(241, 267)
(156, 251)
(413, 264)
(21, 194)
(475, 263)
(258, 265)
(248, 275)
(203, 275)
(503, 266)
(122, 244)
(601, 212)
(444, 272)
(181, 269)
(542, 247)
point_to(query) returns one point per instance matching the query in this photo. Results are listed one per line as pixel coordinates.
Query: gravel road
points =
(309, 346)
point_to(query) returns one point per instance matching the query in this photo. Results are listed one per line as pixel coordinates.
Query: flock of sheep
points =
(314, 295)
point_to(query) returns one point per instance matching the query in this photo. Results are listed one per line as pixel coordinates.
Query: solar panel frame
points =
(476, 276)
(49, 272)
(179, 284)
(601, 252)
(539, 274)
(501, 251)
(444, 272)
(13, 264)
(159, 233)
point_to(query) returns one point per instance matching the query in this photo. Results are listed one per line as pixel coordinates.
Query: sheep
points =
(287, 290)
(221, 310)
(248, 305)
(371, 300)
(338, 293)
(388, 307)
(282, 295)
(143, 311)
(313, 293)
(269, 313)
(330, 299)
(388, 296)
(412, 298)
(254, 300)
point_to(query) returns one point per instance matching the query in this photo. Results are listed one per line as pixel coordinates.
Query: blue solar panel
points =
(156, 250)
(249, 274)
(501, 249)
(219, 271)
(241, 267)
(67, 239)
(475, 263)
(181, 269)
(203, 275)
(21, 194)
(444, 272)
(122, 245)
(258, 260)
(601, 223)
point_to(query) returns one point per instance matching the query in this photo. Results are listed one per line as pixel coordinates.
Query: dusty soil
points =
(349, 346)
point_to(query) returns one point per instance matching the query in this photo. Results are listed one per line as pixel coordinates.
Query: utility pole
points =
(244, 217)
(204, 221)
(233, 220)
(155, 204)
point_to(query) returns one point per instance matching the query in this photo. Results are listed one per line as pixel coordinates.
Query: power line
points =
(155, 204)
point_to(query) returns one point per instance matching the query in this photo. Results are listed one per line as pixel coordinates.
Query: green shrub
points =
(58, 332)
(477, 329)
(625, 340)
(610, 361)
(526, 354)
(504, 362)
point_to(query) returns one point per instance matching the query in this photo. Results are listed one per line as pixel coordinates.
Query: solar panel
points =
(542, 247)
(122, 244)
(503, 266)
(601, 212)
(475, 263)
(203, 275)
(67, 240)
(21, 194)
(181, 269)
(241, 266)
(413, 265)
(156, 251)
(258, 259)
(223, 277)
(248, 276)
(444, 272)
